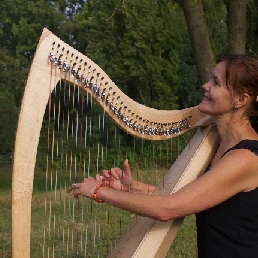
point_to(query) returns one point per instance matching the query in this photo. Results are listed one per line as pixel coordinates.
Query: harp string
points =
(82, 141)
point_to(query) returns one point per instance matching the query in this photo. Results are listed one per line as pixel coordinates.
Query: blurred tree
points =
(237, 26)
(138, 44)
(199, 36)
(212, 28)
(8, 117)
(21, 25)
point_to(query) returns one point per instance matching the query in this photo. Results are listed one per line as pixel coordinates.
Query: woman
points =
(225, 198)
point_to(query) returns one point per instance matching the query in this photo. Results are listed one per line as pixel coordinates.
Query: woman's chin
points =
(202, 109)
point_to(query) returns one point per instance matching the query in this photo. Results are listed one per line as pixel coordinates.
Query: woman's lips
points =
(205, 98)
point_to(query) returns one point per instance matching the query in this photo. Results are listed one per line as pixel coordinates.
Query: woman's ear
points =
(243, 100)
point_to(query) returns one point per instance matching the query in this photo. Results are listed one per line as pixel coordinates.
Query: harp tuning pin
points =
(110, 88)
(94, 69)
(106, 83)
(53, 43)
(102, 78)
(63, 49)
(114, 93)
(89, 66)
(122, 103)
(76, 57)
(67, 52)
(104, 89)
(72, 54)
(118, 97)
(80, 60)
(58, 45)
(85, 63)
(98, 74)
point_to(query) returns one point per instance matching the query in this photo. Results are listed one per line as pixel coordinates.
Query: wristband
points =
(95, 193)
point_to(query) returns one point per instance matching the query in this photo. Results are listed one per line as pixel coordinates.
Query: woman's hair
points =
(242, 77)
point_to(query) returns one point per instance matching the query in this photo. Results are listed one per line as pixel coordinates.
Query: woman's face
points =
(217, 98)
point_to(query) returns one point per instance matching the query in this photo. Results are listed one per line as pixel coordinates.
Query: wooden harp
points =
(53, 61)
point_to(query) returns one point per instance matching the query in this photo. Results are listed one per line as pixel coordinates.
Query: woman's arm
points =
(234, 173)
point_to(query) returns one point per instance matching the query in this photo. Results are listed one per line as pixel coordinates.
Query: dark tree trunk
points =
(199, 36)
(237, 26)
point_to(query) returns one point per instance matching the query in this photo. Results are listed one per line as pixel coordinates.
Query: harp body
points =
(54, 61)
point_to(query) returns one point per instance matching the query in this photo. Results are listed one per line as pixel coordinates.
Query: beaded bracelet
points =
(95, 193)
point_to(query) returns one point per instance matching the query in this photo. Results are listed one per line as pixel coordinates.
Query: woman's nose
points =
(206, 86)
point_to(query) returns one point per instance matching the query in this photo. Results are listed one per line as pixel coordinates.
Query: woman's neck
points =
(234, 130)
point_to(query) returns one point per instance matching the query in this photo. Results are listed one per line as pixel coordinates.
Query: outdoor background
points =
(159, 53)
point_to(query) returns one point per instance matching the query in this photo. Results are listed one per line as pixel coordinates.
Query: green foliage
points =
(216, 17)
(8, 118)
(22, 22)
(252, 28)
(137, 43)
(190, 89)
(142, 45)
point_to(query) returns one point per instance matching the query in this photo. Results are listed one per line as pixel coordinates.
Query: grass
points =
(76, 229)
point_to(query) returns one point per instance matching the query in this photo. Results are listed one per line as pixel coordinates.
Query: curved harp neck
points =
(141, 121)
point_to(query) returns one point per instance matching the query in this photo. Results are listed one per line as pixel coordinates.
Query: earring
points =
(236, 107)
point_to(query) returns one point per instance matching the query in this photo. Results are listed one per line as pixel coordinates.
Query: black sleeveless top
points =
(230, 229)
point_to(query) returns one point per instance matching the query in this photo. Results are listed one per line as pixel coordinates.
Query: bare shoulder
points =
(241, 165)
(234, 173)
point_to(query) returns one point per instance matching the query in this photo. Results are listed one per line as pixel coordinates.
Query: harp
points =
(55, 61)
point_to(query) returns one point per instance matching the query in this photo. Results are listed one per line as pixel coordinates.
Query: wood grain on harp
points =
(59, 61)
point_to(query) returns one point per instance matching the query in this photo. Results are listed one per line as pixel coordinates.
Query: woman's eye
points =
(216, 83)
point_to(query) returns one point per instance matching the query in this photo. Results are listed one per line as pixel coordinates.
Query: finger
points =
(76, 193)
(126, 167)
(104, 178)
(113, 172)
(100, 178)
(72, 187)
(105, 173)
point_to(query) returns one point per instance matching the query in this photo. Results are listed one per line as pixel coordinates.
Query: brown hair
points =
(242, 77)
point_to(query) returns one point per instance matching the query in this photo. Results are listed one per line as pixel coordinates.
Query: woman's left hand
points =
(85, 188)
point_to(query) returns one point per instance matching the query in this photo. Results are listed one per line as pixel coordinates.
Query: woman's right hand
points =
(117, 178)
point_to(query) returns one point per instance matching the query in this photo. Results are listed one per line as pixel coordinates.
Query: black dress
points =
(230, 229)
